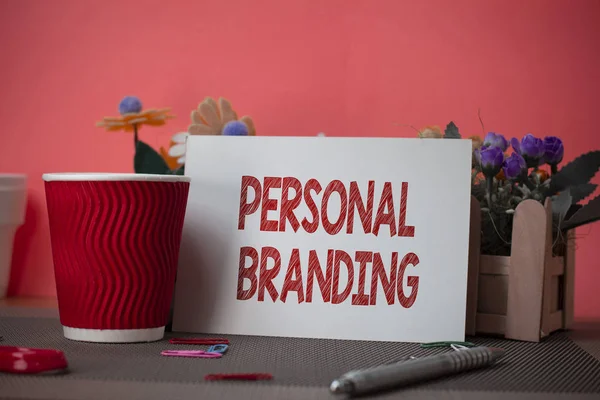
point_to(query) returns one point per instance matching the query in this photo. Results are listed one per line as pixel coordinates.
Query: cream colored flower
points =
(431, 132)
(178, 147)
(210, 118)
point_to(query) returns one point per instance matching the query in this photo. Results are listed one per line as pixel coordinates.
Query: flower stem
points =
(490, 187)
(135, 136)
(553, 169)
(524, 179)
(529, 185)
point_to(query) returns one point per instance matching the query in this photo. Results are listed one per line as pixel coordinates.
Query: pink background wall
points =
(344, 67)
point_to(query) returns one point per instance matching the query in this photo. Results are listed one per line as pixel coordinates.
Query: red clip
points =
(239, 377)
(191, 353)
(206, 341)
(22, 360)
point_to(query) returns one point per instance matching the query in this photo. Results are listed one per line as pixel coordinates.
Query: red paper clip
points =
(191, 353)
(206, 341)
(238, 377)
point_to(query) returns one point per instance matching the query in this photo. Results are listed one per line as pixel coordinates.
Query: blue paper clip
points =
(218, 348)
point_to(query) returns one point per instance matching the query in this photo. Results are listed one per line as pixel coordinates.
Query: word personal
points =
(351, 199)
(264, 268)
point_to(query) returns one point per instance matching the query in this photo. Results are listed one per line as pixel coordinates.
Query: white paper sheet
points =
(435, 177)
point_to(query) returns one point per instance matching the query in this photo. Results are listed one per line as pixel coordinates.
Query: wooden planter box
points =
(525, 296)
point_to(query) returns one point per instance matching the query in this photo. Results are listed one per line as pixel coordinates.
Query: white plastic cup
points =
(13, 197)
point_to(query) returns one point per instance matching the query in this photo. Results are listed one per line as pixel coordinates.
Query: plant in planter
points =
(524, 209)
(501, 182)
(146, 160)
(210, 118)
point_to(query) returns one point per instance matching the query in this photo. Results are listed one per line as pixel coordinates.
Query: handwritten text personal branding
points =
(265, 264)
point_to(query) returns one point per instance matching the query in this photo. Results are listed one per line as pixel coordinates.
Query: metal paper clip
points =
(191, 353)
(218, 348)
(458, 347)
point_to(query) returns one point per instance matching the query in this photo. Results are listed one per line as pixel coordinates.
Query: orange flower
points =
(126, 122)
(211, 118)
(476, 142)
(542, 175)
(501, 176)
(172, 162)
(431, 132)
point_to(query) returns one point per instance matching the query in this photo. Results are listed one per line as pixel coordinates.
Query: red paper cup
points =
(115, 244)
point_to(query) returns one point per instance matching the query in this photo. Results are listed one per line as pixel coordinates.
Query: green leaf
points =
(585, 215)
(572, 210)
(577, 172)
(148, 161)
(561, 204)
(451, 131)
(179, 171)
(582, 191)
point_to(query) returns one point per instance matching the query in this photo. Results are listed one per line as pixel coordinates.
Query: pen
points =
(417, 370)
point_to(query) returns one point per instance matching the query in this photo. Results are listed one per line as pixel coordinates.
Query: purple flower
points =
(530, 148)
(235, 128)
(514, 166)
(553, 150)
(490, 159)
(130, 104)
(493, 139)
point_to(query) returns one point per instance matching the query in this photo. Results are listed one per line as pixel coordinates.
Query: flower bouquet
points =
(502, 179)
(525, 205)
(501, 182)
(210, 118)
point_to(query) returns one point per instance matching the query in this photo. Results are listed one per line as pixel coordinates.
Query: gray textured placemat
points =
(587, 336)
(555, 365)
(46, 389)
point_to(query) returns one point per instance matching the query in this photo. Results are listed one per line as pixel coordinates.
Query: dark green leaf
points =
(148, 161)
(179, 171)
(577, 172)
(451, 131)
(561, 204)
(582, 191)
(585, 215)
(572, 210)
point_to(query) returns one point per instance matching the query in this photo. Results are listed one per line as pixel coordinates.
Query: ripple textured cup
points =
(115, 245)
